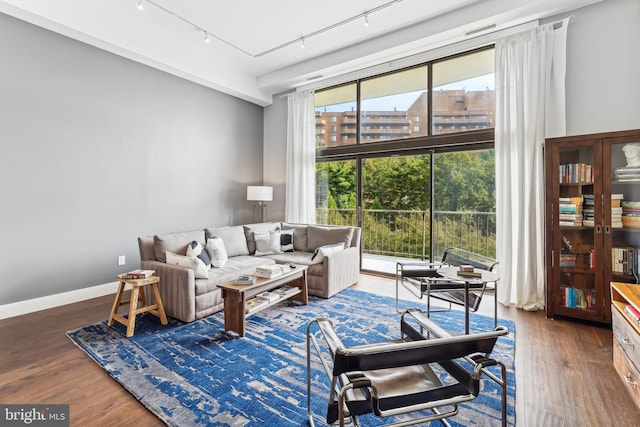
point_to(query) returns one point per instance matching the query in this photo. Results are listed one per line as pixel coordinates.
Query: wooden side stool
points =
(137, 293)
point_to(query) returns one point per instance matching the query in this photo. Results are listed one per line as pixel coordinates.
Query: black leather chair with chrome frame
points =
(396, 378)
(423, 280)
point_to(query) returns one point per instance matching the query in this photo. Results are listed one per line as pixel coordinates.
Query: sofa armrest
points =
(340, 270)
(177, 289)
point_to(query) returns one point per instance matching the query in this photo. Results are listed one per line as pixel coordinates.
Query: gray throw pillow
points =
(235, 241)
(251, 229)
(299, 236)
(267, 243)
(175, 242)
(322, 236)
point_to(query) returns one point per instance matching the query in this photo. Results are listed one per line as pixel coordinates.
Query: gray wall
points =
(275, 143)
(603, 68)
(97, 150)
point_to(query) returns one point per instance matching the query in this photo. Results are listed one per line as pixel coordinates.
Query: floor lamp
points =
(260, 194)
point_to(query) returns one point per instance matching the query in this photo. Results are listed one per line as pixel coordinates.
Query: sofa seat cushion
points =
(235, 266)
(296, 257)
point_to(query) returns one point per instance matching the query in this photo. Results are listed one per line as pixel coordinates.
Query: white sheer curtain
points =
(301, 158)
(530, 93)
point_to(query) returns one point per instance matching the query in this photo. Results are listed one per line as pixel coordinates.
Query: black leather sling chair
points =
(395, 377)
(423, 280)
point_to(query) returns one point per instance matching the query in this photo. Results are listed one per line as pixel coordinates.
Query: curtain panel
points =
(300, 193)
(530, 106)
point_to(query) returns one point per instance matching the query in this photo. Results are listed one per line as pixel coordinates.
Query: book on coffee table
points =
(470, 273)
(269, 271)
(246, 279)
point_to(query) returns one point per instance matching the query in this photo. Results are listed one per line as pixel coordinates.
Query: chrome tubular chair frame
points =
(422, 280)
(395, 377)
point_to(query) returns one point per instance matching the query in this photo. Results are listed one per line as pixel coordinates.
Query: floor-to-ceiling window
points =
(408, 156)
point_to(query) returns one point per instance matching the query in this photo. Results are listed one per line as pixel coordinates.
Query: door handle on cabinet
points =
(607, 229)
(598, 228)
(629, 381)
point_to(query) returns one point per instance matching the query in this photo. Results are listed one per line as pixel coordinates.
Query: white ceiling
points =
(167, 34)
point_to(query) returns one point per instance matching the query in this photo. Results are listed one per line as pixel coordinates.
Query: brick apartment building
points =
(453, 111)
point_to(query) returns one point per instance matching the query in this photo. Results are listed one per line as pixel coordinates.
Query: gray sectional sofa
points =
(332, 254)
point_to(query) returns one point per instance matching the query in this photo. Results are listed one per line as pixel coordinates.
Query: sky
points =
(402, 102)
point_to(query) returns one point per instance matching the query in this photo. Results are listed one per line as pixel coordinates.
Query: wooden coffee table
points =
(236, 296)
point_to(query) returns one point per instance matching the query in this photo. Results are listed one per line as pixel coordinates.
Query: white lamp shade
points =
(259, 193)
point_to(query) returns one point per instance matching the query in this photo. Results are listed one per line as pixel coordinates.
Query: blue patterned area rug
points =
(194, 374)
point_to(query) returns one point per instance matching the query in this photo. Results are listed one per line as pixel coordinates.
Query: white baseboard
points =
(51, 301)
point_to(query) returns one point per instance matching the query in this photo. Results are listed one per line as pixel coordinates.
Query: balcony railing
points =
(405, 233)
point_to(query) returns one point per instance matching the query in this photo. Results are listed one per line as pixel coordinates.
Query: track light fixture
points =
(301, 40)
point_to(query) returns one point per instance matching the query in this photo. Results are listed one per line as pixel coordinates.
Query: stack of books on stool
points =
(137, 274)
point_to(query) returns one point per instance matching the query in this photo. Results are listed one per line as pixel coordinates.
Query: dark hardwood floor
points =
(564, 371)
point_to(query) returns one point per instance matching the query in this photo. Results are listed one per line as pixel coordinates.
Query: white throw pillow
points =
(322, 251)
(267, 243)
(217, 252)
(196, 264)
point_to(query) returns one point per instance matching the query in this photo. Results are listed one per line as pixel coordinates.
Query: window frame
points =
(473, 139)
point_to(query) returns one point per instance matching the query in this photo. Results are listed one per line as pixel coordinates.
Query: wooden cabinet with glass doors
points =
(592, 221)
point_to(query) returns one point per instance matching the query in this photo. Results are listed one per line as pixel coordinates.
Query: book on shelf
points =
(575, 173)
(632, 312)
(269, 296)
(570, 211)
(253, 304)
(630, 214)
(246, 279)
(138, 274)
(628, 173)
(286, 291)
(568, 260)
(583, 299)
(269, 271)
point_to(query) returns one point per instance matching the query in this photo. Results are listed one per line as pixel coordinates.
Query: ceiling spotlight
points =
(206, 37)
(366, 20)
(302, 44)
(140, 5)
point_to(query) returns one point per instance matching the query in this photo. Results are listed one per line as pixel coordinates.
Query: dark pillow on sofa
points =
(286, 241)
